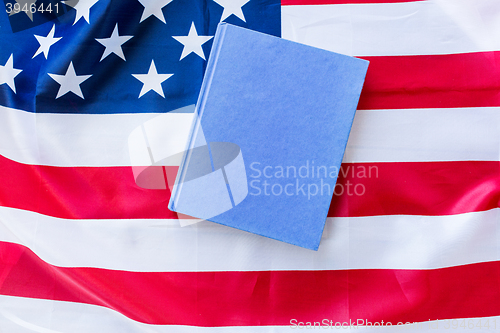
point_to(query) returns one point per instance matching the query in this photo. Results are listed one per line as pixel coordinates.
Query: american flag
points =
(84, 249)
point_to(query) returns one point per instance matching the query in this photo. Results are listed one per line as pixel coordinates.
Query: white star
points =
(8, 73)
(192, 42)
(82, 8)
(70, 82)
(114, 44)
(46, 42)
(232, 7)
(152, 80)
(153, 7)
(24, 4)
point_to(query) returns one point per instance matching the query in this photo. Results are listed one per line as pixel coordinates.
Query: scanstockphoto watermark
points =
(485, 324)
(309, 180)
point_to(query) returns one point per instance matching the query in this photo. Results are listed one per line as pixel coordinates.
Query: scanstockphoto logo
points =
(309, 180)
(212, 178)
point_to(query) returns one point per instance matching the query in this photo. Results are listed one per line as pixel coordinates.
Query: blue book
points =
(273, 119)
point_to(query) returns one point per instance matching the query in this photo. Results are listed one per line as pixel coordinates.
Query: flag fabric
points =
(411, 242)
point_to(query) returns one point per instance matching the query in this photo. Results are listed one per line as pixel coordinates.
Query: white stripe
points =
(383, 242)
(377, 136)
(422, 135)
(68, 139)
(412, 28)
(25, 315)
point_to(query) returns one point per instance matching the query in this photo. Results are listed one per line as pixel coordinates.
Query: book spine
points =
(200, 105)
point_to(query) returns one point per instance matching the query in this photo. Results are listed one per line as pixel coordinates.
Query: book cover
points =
(273, 119)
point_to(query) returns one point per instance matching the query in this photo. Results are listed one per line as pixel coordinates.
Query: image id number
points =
(32, 8)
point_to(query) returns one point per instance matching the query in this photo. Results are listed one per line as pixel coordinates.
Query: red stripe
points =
(420, 188)
(337, 2)
(416, 188)
(259, 298)
(79, 192)
(432, 81)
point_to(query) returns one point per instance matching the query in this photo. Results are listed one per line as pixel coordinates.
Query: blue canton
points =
(115, 56)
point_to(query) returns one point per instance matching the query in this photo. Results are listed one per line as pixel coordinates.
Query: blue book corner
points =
(273, 121)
